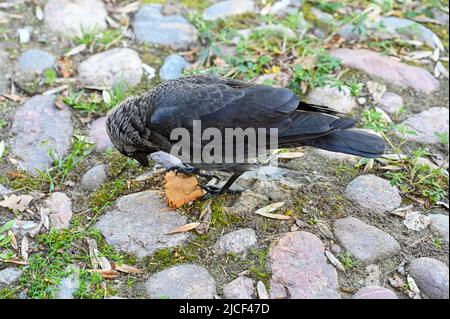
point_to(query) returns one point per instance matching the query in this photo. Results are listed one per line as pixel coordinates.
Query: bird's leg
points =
(215, 191)
(191, 170)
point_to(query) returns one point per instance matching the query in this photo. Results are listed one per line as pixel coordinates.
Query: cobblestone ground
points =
(79, 220)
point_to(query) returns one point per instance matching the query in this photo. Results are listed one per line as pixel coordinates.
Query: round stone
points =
(374, 193)
(181, 282)
(391, 102)
(374, 292)
(109, 68)
(300, 269)
(237, 241)
(432, 277)
(240, 288)
(94, 178)
(36, 61)
(365, 242)
(338, 99)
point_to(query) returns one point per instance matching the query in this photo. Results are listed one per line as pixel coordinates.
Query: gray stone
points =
(236, 242)
(151, 26)
(340, 100)
(39, 126)
(165, 159)
(94, 178)
(394, 27)
(323, 20)
(69, 284)
(173, 67)
(73, 17)
(9, 276)
(224, 9)
(185, 281)
(387, 69)
(60, 207)
(431, 276)
(240, 288)
(4, 71)
(247, 203)
(439, 224)
(426, 124)
(300, 269)
(4, 190)
(374, 292)
(139, 224)
(112, 67)
(36, 61)
(98, 134)
(365, 242)
(373, 192)
(391, 102)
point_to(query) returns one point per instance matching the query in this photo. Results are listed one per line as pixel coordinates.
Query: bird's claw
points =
(212, 191)
(191, 170)
(187, 170)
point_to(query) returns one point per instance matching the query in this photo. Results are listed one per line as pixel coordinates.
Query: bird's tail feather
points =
(351, 141)
(303, 106)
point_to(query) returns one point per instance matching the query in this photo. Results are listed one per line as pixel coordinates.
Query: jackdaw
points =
(143, 125)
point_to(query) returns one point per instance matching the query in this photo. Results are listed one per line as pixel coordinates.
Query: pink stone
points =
(300, 269)
(388, 69)
(98, 134)
(374, 292)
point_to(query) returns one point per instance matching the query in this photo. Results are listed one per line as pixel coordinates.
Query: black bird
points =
(142, 125)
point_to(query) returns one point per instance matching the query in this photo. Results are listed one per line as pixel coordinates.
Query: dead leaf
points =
(262, 290)
(59, 103)
(92, 244)
(39, 13)
(205, 218)
(184, 228)
(102, 261)
(74, 51)
(308, 63)
(396, 281)
(105, 273)
(181, 189)
(66, 66)
(290, 155)
(127, 269)
(24, 248)
(334, 261)
(266, 211)
(13, 239)
(17, 203)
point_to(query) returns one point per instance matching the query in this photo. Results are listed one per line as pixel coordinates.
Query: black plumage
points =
(142, 125)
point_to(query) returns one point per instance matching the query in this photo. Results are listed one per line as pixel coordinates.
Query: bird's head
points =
(127, 130)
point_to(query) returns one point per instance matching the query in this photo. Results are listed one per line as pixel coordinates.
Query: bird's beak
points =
(141, 157)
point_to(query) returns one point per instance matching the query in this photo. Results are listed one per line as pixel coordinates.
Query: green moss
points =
(257, 264)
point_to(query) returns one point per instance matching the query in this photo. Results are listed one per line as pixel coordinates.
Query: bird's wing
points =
(227, 104)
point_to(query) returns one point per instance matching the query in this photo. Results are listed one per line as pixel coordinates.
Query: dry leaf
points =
(262, 291)
(205, 218)
(105, 273)
(102, 261)
(24, 248)
(127, 269)
(59, 102)
(39, 13)
(17, 203)
(290, 155)
(74, 51)
(66, 66)
(181, 189)
(13, 239)
(92, 247)
(266, 211)
(184, 228)
(334, 261)
(308, 62)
